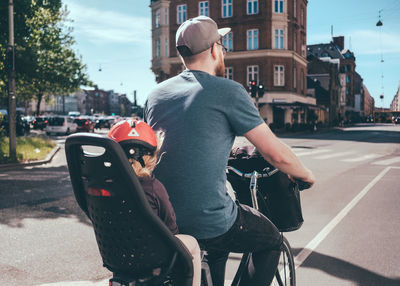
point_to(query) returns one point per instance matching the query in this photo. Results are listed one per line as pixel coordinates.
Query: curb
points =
(48, 159)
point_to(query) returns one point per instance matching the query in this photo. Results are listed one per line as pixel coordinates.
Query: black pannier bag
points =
(278, 197)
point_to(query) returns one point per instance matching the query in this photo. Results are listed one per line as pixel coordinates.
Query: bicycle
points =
(285, 273)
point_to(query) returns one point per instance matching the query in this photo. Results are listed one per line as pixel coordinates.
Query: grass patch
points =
(29, 148)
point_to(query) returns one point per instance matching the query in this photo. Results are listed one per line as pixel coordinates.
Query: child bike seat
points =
(133, 241)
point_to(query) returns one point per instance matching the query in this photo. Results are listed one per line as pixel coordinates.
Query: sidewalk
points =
(97, 283)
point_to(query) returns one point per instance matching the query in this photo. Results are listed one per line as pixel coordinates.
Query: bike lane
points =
(359, 246)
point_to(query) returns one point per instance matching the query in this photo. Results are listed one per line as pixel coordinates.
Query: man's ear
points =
(214, 51)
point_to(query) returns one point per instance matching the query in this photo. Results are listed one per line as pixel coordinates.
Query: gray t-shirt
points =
(200, 114)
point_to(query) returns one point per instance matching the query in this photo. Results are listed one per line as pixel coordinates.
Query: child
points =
(141, 145)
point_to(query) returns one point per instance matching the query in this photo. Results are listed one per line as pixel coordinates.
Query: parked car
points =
(40, 122)
(22, 125)
(61, 125)
(84, 124)
(397, 120)
(103, 123)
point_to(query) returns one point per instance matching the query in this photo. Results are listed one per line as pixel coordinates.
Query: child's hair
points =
(150, 161)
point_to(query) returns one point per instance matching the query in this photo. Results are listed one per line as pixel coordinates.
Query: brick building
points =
(323, 80)
(267, 44)
(395, 104)
(351, 97)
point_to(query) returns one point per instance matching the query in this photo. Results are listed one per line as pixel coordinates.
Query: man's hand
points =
(304, 183)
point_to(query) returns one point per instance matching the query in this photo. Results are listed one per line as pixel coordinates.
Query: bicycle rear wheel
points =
(285, 274)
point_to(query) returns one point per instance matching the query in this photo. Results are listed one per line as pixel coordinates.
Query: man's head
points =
(198, 41)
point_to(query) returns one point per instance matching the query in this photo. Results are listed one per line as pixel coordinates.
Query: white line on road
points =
(362, 158)
(313, 244)
(312, 152)
(334, 155)
(388, 161)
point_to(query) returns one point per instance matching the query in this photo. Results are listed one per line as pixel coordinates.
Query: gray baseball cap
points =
(197, 35)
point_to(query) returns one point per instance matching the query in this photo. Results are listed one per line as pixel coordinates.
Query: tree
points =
(45, 60)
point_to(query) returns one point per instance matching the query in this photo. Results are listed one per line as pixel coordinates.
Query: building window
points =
(166, 16)
(166, 48)
(347, 79)
(278, 6)
(158, 47)
(295, 8)
(252, 39)
(203, 8)
(252, 73)
(229, 72)
(279, 39)
(302, 16)
(181, 15)
(227, 41)
(294, 77)
(252, 7)
(302, 81)
(294, 41)
(279, 75)
(157, 19)
(226, 8)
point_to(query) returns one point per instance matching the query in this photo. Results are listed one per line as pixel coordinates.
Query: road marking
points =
(388, 161)
(312, 152)
(362, 158)
(334, 155)
(313, 244)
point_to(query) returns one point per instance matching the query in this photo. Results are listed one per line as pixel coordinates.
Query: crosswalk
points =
(346, 156)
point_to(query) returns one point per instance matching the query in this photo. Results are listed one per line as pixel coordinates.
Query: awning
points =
(296, 105)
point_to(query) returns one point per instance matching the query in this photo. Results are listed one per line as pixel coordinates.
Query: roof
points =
(324, 50)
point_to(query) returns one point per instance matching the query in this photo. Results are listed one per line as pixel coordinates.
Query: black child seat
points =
(134, 243)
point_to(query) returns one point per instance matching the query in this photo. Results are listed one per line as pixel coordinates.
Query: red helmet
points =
(136, 137)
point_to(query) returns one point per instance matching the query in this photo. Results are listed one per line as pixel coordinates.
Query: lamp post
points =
(11, 85)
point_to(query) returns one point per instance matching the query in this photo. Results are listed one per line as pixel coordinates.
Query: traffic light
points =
(10, 58)
(260, 90)
(253, 88)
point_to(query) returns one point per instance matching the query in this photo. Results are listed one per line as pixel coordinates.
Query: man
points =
(201, 113)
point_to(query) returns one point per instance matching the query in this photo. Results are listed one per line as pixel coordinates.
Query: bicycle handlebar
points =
(264, 174)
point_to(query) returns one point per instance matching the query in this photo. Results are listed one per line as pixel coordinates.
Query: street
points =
(349, 237)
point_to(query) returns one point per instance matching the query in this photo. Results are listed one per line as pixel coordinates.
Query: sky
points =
(114, 40)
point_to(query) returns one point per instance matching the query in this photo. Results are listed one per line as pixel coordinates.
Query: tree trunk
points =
(39, 101)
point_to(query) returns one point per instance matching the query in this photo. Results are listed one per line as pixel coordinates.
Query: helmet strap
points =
(141, 161)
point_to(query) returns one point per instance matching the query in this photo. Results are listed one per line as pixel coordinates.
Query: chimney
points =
(134, 98)
(339, 41)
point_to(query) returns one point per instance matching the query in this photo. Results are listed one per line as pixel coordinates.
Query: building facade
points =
(324, 82)
(369, 103)
(351, 95)
(395, 104)
(267, 44)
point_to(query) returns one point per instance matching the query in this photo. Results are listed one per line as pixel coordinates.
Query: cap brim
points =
(224, 31)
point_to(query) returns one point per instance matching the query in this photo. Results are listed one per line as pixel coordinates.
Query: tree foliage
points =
(45, 60)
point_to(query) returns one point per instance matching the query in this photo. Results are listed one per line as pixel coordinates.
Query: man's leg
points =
(260, 237)
(251, 232)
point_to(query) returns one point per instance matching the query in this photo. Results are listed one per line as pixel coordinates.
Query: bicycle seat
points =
(133, 241)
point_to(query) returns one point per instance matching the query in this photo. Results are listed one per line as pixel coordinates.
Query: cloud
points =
(369, 42)
(108, 27)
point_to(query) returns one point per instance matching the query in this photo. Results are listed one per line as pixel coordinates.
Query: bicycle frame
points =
(253, 188)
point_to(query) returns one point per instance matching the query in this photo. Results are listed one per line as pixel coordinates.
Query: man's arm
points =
(278, 153)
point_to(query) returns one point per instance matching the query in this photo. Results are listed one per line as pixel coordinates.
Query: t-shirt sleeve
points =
(242, 114)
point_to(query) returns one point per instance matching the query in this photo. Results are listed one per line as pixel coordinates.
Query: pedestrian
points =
(201, 113)
(141, 145)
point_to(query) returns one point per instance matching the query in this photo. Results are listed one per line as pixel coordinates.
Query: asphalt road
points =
(350, 235)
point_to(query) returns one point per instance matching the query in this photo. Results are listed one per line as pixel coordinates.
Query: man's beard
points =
(220, 68)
